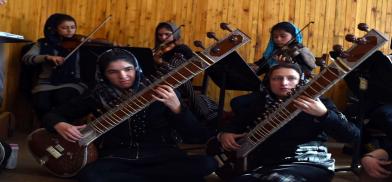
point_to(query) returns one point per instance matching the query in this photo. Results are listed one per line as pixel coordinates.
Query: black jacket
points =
(158, 140)
(302, 129)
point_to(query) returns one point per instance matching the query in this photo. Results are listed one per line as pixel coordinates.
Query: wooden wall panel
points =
(133, 23)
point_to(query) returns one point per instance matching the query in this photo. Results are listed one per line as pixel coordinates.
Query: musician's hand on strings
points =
(2, 2)
(228, 140)
(56, 60)
(167, 96)
(310, 106)
(69, 132)
(280, 58)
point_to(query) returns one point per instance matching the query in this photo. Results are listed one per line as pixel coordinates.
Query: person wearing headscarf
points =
(204, 108)
(58, 80)
(141, 148)
(281, 35)
(284, 37)
(296, 151)
(168, 44)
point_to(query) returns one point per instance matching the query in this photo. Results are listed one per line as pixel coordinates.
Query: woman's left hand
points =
(167, 96)
(311, 106)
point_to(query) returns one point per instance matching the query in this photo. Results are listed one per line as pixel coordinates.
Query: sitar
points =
(66, 159)
(233, 163)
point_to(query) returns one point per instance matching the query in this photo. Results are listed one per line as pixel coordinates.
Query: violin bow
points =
(88, 37)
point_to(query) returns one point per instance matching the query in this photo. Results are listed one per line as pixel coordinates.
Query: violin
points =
(164, 48)
(72, 43)
(287, 52)
(87, 38)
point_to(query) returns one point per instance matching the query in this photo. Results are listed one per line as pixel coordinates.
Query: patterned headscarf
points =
(110, 96)
(271, 47)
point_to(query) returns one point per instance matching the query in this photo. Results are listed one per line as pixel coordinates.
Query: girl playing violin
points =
(169, 53)
(58, 79)
(278, 45)
(281, 34)
(167, 43)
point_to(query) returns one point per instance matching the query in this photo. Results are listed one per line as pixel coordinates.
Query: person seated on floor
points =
(296, 152)
(141, 148)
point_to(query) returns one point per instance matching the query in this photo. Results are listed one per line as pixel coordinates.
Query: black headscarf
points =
(50, 29)
(110, 96)
(170, 26)
(106, 91)
(270, 98)
(65, 73)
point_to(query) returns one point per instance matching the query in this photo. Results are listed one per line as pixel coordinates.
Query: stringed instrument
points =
(66, 159)
(234, 163)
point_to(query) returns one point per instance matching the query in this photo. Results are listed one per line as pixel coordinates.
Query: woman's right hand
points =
(69, 132)
(56, 60)
(228, 140)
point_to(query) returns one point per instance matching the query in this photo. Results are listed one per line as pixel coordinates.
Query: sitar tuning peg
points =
(225, 26)
(321, 61)
(353, 39)
(199, 44)
(363, 27)
(339, 52)
(212, 35)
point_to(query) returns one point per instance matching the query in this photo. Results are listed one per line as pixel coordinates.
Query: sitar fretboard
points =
(317, 86)
(174, 78)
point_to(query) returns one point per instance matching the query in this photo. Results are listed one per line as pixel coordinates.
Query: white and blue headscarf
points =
(271, 47)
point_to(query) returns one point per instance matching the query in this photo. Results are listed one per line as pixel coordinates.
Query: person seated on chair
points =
(169, 53)
(281, 34)
(58, 79)
(296, 151)
(377, 164)
(141, 148)
(168, 44)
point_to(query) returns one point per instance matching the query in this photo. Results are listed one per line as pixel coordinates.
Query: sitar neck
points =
(315, 88)
(195, 65)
